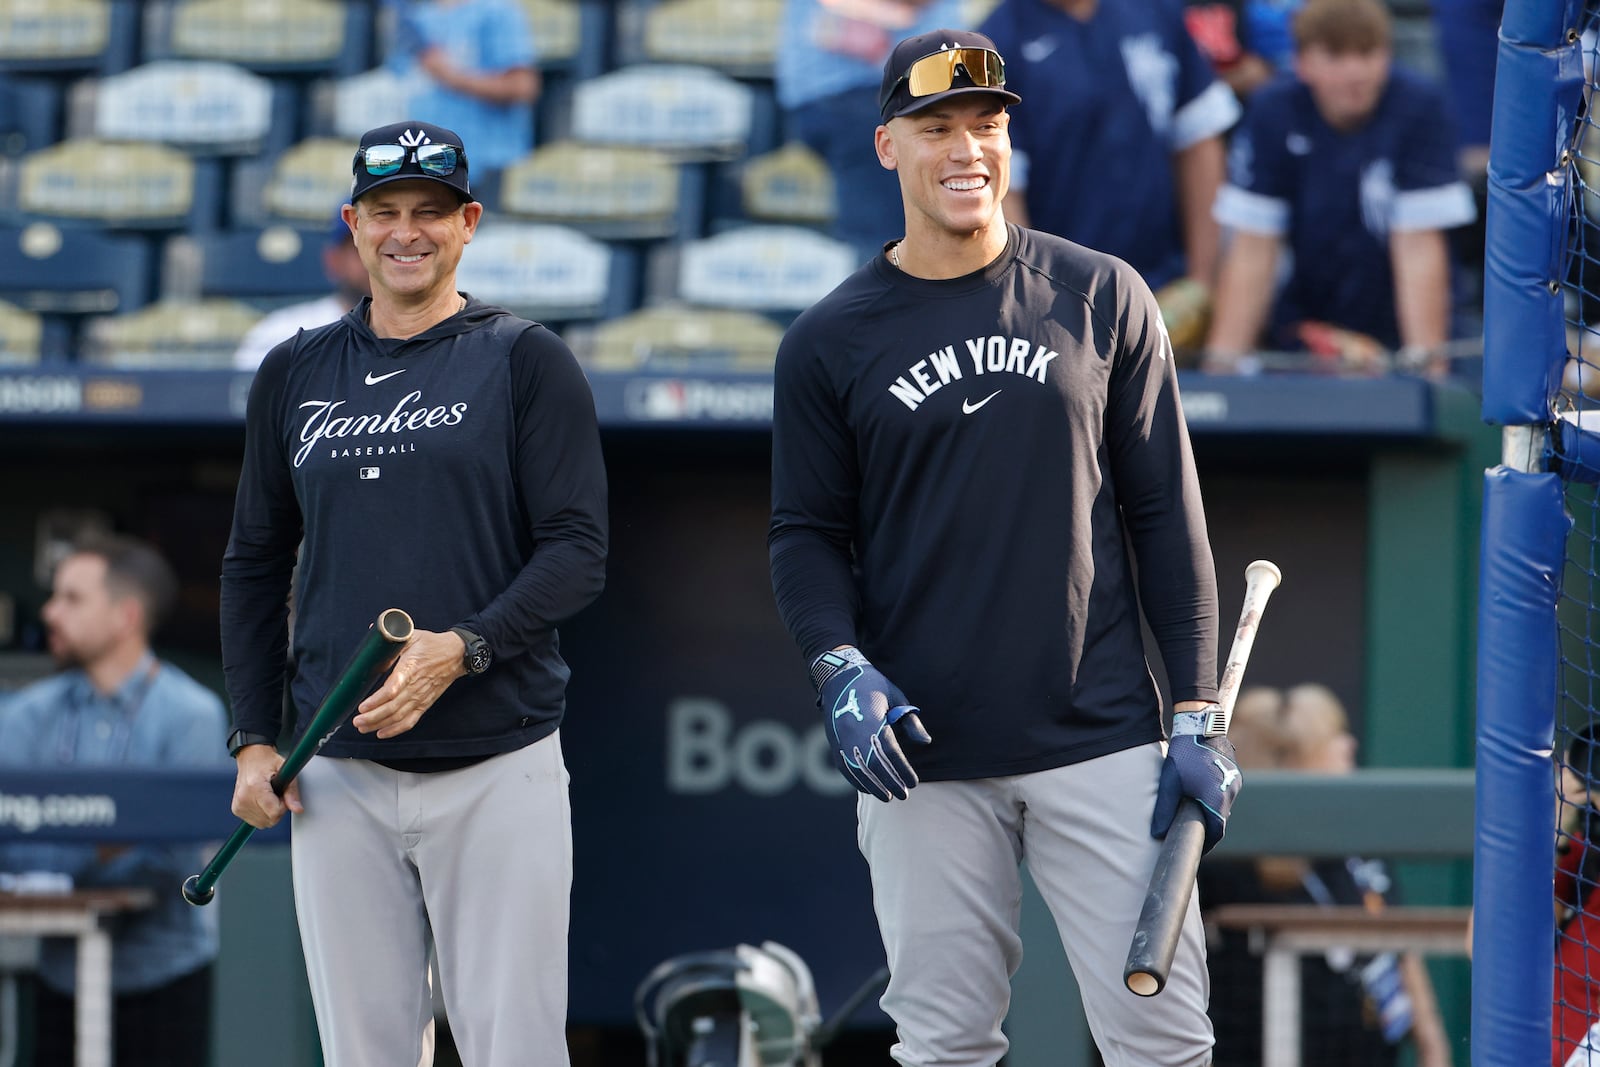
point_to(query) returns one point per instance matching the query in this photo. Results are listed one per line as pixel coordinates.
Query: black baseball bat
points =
(1155, 938)
(372, 659)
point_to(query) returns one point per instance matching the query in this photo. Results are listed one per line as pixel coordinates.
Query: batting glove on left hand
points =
(1201, 768)
(861, 707)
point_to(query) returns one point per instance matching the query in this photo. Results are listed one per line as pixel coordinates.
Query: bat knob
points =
(194, 894)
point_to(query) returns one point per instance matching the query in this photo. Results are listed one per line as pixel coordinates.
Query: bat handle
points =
(1155, 940)
(198, 889)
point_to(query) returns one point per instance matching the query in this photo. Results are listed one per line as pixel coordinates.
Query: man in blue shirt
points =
(829, 60)
(1353, 166)
(116, 704)
(476, 71)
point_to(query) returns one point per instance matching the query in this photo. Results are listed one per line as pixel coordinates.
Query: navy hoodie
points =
(456, 475)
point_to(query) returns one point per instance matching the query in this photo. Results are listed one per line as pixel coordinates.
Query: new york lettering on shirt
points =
(994, 354)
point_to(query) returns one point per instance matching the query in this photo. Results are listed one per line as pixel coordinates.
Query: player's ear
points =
(883, 140)
(471, 213)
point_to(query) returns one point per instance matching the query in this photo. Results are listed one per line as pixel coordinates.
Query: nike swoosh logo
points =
(374, 379)
(1039, 49)
(968, 407)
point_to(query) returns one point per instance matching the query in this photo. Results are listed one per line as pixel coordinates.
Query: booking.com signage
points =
(709, 751)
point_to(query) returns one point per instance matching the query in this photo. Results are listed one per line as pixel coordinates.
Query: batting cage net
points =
(1537, 959)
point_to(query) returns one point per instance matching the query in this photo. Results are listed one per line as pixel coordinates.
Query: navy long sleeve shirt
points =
(959, 470)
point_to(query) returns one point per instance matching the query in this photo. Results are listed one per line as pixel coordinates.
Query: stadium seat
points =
(736, 37)
(30, 114)
(613, 192)
(791, 184)
(775, 270)
(64, 270)
(572, 36)
(264, 267)
(676, 338)
(202, 107)
(277, 37)
(297, 186)
(169, 334)
(552, 274)
(348, 107)
(78, 37)
(112, 185)
(21, 336)
(693, 112)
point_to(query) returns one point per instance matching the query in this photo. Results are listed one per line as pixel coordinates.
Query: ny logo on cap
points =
(411, 140)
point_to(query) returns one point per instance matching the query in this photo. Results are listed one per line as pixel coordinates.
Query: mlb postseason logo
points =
(369, 473)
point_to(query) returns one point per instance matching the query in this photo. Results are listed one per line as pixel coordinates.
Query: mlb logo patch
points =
(368, 473)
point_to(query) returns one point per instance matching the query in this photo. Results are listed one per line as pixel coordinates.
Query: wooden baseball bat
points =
(372, 659)
(1155, 938)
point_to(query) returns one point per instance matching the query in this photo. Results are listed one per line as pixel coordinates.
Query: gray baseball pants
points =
(482, 857)
(947, 889)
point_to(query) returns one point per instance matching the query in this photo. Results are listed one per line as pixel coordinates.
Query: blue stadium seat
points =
(22, 336)
(86, 37)
(66, 270)
(347, 107)
(612, 192)
(790, 185)
(572, 36)
(296, 186)
(117, 185)
(277, 37)
(552, 274)
(203, 107)
(168, 335)
(264, 267)
(678, 339)
(694, 112)
(777, 271)
(736, 37)
(30, 114)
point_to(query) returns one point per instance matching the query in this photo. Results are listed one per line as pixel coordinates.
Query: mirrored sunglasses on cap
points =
(937, 72)
(440, 160)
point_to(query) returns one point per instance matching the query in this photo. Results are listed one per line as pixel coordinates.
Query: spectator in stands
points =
(1352, 164)
(342, 265)
(1355, 1010)
(1123, 151)
(829, 63)
(476, 72)
(1574, 1040)
(116, 704)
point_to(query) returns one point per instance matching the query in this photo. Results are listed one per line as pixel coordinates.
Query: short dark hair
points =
(1343, 26)
(134, 568)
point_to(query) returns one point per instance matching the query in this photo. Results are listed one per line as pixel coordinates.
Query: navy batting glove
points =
(1199, 767)
(861, 707)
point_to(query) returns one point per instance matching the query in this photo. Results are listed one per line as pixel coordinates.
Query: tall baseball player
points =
(970, 433)
(439, 455)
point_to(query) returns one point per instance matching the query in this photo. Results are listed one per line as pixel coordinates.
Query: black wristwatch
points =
(240, 738)
(478, 656)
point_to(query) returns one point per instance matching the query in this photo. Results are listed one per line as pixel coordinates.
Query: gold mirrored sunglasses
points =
(937, 72)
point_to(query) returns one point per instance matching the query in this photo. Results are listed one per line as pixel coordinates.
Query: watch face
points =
(478, 660)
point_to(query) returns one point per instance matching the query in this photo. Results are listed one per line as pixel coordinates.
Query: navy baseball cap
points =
(407, 151)
(939, 64)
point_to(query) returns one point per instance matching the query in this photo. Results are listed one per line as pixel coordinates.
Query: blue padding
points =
(114, 804)
(1524, 335)
(1539, 23)
(1525, 528)
(1536, 110)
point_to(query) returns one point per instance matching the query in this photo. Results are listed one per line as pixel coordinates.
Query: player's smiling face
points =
(411, 235)
(954, 162)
